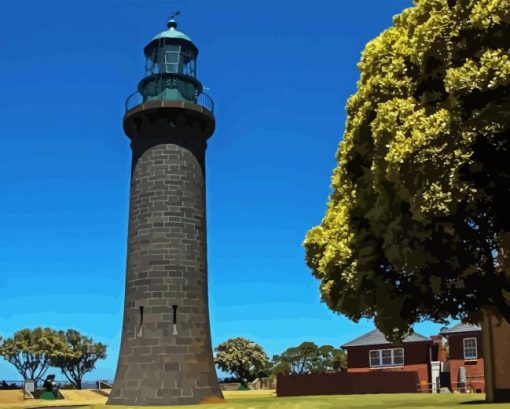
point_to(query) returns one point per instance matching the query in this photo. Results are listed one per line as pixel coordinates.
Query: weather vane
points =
(174, 14)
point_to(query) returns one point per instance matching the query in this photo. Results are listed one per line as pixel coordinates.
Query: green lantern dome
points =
(172, 33)
(170, 67)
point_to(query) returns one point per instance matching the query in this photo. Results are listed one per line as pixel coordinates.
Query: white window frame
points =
(378, 357)
(172, 67)
(475, 356)
(380, 353)
(393, 357)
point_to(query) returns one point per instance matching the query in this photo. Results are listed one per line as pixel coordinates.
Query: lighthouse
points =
(166, 353)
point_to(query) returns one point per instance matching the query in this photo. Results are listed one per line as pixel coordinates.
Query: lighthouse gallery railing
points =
(136, 98)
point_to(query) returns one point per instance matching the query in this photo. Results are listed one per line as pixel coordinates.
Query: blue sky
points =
(280, 74)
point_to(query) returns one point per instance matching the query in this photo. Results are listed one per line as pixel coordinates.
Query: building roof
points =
(460, 328)
(376, 337)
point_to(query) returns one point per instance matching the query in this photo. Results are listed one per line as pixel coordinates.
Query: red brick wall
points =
(456, 344)
(416, 359)
(421, 369)
(344, 383)
(474, 367)
(414, 353)
(474, 373)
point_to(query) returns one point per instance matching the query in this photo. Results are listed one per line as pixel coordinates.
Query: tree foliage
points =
(417, 221)
(78, 357)
(31, 351)
(242, 358)
(309, 358)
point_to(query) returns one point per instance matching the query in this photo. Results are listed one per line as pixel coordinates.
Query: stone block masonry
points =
(166, 267)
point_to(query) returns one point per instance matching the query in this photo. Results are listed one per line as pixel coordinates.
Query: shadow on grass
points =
(481, 402)
(473, 402)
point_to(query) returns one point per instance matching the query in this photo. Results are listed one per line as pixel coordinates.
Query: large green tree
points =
(31, 351)
(78, 357)
(417, 222)
(242, 358)
(308, 357)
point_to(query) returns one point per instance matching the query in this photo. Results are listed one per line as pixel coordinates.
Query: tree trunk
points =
(496, 341)
(488, 358)
(496, 352)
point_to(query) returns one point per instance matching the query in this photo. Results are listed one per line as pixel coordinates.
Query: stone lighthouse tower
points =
(166, 355)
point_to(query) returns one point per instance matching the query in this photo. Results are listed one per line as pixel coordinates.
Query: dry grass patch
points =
(14, 399)
(266, 399)
(14, 396)
(261, 393)
(83, 395)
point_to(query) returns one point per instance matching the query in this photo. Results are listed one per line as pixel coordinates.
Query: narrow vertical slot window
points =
(175, 320)
(140, 331)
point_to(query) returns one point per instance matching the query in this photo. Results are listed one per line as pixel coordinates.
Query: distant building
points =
(372, 352)
(465, 360)
(452, 359)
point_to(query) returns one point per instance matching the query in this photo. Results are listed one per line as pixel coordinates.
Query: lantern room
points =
(170, 68)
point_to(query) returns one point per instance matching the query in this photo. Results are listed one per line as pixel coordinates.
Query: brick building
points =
(372, 352)
(465, 361)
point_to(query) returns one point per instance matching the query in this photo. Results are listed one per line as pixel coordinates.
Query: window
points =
(189, 60)
(140, 322)
(374, 358)
(398, 356)
(171, 57)
(386, 357)
(470, 350)
(171, 61)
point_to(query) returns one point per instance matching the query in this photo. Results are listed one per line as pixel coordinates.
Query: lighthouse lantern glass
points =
(171, 59)
(170, 72)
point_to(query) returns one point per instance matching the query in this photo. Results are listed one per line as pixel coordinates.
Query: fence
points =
(475, 386)
(428, 387)
(470, 386)
(64, 384)
(259, 383)
(347, 383)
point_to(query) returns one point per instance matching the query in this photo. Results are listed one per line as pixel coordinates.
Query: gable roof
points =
(376, 337)
(460, 328)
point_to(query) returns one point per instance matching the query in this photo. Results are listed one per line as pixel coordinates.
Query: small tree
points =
(330, 359)
(242, 358)
(309, 358)
(280, 366)
(339, 361)
(296, 360)
(31, 350)
(79, 357)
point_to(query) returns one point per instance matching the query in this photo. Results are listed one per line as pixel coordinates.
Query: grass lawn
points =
(268, 400)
